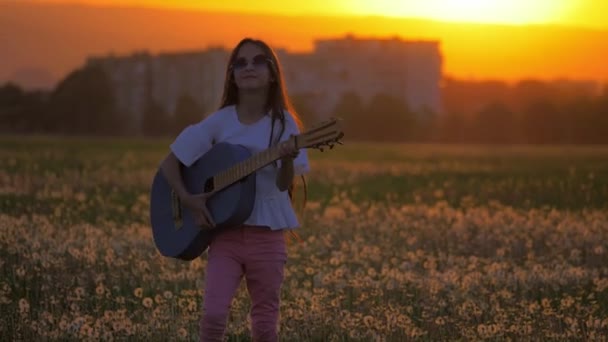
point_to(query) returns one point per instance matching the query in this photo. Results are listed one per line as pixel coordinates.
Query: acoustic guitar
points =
(227, 173)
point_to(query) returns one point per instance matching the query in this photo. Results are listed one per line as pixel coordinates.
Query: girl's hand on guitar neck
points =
(197, 203)
(288, 149)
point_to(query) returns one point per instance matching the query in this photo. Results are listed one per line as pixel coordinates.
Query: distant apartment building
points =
(141, 77)
(409, 70)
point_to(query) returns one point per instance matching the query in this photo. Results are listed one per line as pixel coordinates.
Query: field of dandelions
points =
(399, 242)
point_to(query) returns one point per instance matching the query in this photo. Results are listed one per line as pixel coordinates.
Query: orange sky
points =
(572, 43)
(580, 13)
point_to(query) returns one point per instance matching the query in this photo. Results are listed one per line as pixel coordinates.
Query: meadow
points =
(399, 242)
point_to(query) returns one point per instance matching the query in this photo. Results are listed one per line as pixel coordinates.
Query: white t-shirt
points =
(272, 207)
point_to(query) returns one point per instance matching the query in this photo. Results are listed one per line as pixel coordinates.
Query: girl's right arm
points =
(197, 203)
(187, 147)
(171, 169)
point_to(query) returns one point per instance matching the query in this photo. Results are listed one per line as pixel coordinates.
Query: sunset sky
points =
(508, 40)
(581, 13)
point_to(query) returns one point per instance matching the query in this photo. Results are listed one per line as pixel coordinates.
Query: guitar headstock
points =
(324, 134)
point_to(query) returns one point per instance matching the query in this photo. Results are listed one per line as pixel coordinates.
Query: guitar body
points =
(176, 235)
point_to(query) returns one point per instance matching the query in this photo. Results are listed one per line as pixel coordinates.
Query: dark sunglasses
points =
(257, 62)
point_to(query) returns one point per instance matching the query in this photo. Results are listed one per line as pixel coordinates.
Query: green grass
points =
(522, 176)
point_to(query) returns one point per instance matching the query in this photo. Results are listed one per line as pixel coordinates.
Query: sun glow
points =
(589, 13)
(479, 11)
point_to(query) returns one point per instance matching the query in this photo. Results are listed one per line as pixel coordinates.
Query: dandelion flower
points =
(182, 333)
(24, 306)
(99, 290)
(79, 292)
(191, 305)
(63, 324)
(108, 315)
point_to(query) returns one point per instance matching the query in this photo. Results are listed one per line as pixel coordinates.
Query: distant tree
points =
(155, 120)
(451, 128)
(526, 92)
(21, 111)
(83, 103)
(11, 99)
(542, 123)
(303, 104)
(495, 124)
(601, 117)
(389, 119)
(467, 97)
(351, 110)
(10, 95)
(588, 119)
(426, 121)
(187, 112)
(35, 105)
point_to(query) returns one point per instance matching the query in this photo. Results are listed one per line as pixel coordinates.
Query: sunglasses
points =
(257, 62)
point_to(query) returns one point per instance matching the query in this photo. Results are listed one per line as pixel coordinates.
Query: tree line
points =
(83, 104)
(581, 120)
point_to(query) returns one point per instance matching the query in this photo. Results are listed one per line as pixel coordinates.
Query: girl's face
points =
(251, 68)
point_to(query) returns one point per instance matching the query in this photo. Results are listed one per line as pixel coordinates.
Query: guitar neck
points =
(245, 168)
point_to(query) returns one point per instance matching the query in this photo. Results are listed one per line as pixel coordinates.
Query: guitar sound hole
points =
(209, 185)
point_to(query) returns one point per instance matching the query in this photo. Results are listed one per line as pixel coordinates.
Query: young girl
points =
(255, 112)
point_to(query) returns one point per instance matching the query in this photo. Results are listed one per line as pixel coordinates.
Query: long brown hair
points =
(278, 100)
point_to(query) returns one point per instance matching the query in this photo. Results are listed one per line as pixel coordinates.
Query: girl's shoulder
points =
(210, 125)
(288, 115)
(216, 119)
(222, 114)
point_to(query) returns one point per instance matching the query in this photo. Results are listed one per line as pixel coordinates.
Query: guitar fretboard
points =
(245, 168)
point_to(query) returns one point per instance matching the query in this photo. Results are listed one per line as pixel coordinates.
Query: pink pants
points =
(257, 253)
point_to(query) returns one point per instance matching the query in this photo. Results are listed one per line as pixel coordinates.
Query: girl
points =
(255, 112)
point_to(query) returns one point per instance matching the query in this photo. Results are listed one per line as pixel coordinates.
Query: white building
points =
(165, 78)
(410, 70)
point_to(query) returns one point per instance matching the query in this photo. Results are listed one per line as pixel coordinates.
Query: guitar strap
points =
(292, 187)
(272, 135)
